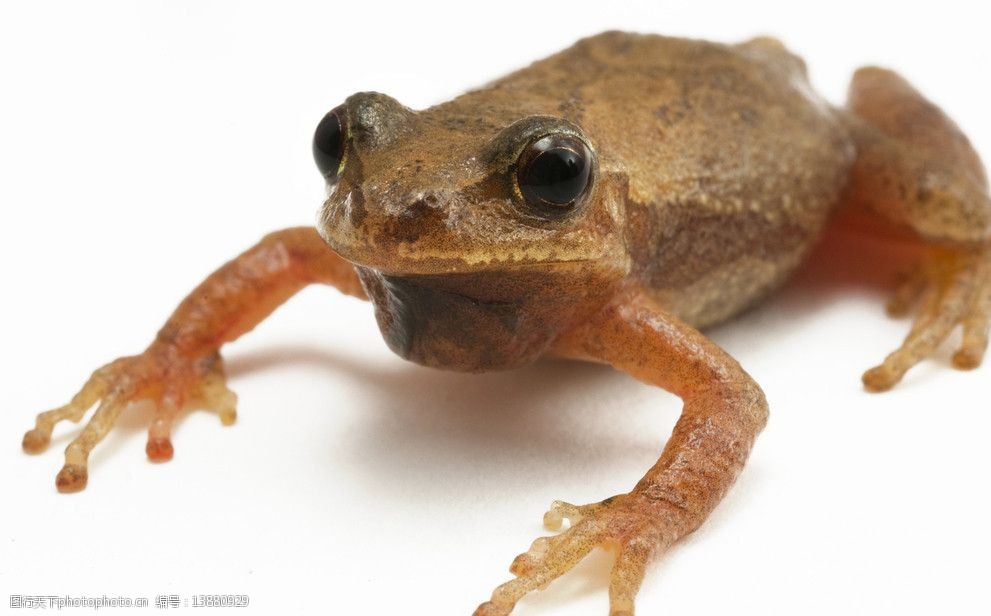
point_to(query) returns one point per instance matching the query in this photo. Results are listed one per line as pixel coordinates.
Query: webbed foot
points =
(639, 527)
(161, 375)
(952, 288)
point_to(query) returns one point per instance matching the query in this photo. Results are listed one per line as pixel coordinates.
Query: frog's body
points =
(757, 185)
(600, 204)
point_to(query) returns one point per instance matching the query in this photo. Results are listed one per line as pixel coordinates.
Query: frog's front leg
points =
(724, 410)
(916, 171)
(182, 366)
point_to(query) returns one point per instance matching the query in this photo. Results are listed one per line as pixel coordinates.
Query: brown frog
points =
(602, 204)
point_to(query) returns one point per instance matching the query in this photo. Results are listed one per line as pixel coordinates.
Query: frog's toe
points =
(159, 446)
(37, 439)
(211, 394)
(545, 562)
(975, 325)
(955, 290)
(634, 525)
(74, 474)
(561, 511)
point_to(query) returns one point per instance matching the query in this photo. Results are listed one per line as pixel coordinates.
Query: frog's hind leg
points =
(916, 170)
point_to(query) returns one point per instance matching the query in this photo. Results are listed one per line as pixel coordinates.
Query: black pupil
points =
(555, 173)
(328, 145)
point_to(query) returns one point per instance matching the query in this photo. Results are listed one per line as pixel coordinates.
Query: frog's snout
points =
(401, 231)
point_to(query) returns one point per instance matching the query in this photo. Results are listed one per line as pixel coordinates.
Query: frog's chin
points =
(453, 323)
(484, 320)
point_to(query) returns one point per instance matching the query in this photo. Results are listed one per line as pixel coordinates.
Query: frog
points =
(607, 203)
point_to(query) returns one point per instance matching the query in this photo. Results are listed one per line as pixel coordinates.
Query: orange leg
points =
(917, 172)
(182, 366)
(723, 413)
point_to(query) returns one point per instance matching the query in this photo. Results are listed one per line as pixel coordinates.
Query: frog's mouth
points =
(401, 259)
(426, 240)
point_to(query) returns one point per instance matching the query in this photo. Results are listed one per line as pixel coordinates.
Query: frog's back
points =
(733, 162)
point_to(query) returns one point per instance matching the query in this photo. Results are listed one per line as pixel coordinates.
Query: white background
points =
(142, 144)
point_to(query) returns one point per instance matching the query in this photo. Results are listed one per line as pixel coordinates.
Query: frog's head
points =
(479, 233)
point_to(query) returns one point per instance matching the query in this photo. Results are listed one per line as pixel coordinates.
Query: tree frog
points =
(604, 204)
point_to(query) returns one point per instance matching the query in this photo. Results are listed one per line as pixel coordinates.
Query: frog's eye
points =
(553, 173)
(329, 143)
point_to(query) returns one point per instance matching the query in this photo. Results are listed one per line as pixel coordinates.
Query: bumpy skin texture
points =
(715, 168)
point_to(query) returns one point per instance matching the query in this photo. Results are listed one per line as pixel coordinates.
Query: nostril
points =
(420, 206)
(420, 216)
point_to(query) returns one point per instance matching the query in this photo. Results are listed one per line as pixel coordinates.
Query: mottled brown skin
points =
(715, 169)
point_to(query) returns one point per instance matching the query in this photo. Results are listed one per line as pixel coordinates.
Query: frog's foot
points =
(639, 527)
(161, 375)
(953, 289)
